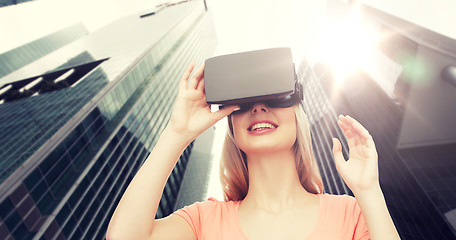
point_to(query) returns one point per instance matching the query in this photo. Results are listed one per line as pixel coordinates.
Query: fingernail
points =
(237, 108)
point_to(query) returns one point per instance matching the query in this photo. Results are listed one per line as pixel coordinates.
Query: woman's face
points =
(262, 129)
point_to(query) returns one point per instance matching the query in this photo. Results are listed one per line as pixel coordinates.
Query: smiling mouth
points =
(261, 126)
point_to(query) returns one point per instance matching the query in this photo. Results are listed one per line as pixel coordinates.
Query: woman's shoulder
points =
(212, 218)
(341, 216)
(213, 202)
(342, 204)
(210, 207)
(339, 199)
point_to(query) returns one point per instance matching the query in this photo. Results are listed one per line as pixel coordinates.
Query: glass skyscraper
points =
(19, 57)
(78, 122)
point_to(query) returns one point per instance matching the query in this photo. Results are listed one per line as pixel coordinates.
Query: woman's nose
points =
(259, 107)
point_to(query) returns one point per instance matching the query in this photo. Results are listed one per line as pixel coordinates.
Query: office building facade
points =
(78, 123)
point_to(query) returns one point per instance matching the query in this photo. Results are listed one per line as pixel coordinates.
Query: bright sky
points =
(240, 24)
(22, 23)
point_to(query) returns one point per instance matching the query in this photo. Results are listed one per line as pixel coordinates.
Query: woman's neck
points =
(274, 182)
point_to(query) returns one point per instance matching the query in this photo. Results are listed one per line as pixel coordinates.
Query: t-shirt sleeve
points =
(361, 231)
(195, 213)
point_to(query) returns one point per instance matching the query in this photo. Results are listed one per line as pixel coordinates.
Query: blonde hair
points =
(234, 173)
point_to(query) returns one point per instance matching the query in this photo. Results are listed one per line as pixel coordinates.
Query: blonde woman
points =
(271, 182)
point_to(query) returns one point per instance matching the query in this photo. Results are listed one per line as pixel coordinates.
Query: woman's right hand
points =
(191, 114)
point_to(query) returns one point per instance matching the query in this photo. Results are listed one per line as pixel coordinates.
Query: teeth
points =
(261, 126)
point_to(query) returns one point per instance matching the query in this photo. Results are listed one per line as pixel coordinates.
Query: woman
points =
(270, 179)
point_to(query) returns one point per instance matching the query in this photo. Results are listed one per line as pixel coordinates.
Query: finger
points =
(185, 76)
(347, 129)
(342, 124)
(216, 116)
(197, 76)
(350, 130)
(357, 126)
(200, 78)
(362, 132)
(201, 85)
(337, 152)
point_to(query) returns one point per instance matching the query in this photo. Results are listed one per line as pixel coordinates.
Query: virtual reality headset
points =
(267, 76)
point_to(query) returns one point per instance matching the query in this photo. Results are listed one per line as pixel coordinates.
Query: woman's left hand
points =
(360, 171)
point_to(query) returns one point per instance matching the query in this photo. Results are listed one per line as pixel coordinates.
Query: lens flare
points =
(347, 46)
